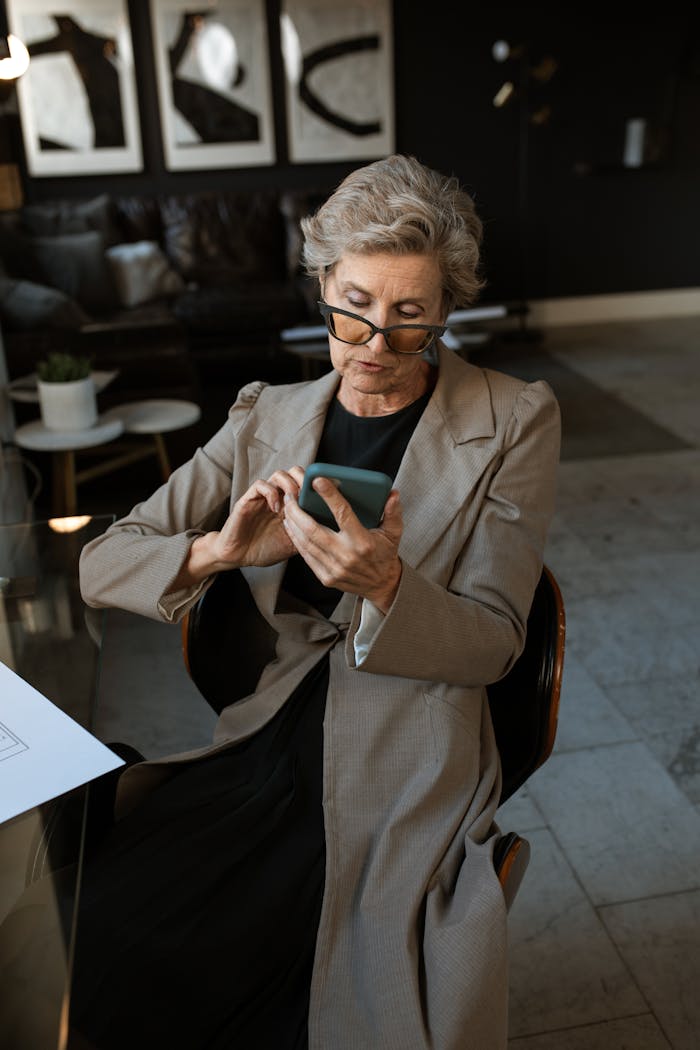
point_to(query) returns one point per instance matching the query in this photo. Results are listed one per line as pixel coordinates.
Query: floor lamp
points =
(14, 62)
(503, 52)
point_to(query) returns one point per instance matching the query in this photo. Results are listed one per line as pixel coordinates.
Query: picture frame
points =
(77, 101)
(339, 79)
(212, 66)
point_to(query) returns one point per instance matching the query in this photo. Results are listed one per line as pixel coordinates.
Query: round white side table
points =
(62, 444)
(155, 417)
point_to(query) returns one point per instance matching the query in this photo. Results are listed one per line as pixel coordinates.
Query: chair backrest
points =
(226, 623)
(524, 704)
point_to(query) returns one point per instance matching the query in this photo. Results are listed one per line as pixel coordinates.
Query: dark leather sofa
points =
(158, 286)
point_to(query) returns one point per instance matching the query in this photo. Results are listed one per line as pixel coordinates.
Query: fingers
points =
(362, 561)
(289, 481)
(345, 517)
(280, 484)
(392, 519)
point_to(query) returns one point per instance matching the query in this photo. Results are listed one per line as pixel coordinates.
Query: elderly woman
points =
(322, 874)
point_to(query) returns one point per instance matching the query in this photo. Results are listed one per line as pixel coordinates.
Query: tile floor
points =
(605, 931)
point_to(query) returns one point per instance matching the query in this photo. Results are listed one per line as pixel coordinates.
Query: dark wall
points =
(562, 216)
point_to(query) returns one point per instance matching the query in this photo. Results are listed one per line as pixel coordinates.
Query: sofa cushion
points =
(139, 218)
(59, 217)
(296, 205)
(224, 238)
(76, 263)
(263, 307)
(25, 305)
(141, 273)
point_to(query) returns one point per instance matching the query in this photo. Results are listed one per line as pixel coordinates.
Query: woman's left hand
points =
(355, 559)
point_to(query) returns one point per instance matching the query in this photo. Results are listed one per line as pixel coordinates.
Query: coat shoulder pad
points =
(250, 393)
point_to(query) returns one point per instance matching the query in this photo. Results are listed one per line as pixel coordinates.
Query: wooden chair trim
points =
(185, 637)
(512, 864)
(558, 668)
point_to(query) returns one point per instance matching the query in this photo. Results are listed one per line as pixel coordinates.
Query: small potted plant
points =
(66, 392)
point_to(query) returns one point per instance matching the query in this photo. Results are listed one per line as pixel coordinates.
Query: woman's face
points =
(387, 290)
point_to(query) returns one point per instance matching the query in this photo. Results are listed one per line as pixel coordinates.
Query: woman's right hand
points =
(253, 533)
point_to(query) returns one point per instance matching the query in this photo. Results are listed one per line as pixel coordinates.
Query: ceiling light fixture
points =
(14, 58)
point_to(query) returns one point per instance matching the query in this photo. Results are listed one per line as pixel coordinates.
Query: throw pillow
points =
(142, 272)
(25, 305)
(76, 263)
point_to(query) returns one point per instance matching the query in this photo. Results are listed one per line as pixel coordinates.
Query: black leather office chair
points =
(524, 704)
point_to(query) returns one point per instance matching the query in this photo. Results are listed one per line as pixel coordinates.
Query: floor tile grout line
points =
(599, 920)
(591, 1024)
(647, 897)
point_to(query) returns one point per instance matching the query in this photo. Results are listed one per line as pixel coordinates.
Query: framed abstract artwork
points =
(213, 72)
(338, 62)
(77, 101)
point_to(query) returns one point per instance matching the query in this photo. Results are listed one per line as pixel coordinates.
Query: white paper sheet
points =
(43, 752)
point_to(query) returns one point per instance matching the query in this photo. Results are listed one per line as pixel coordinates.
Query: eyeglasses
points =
(356, 330)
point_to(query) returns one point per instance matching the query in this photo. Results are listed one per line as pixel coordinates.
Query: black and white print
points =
(212, 66)
(77, 100)
(338, 61)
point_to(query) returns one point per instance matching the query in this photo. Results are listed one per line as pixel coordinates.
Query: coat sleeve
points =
(472, 631)
(133, 564)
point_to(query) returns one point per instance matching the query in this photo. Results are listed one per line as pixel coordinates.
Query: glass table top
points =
(50, 638)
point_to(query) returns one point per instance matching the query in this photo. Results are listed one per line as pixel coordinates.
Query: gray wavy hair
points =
(397, 205)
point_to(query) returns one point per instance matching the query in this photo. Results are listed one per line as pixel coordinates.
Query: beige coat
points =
(411, 949)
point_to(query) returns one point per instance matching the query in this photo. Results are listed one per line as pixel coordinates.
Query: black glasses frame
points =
(436, 330)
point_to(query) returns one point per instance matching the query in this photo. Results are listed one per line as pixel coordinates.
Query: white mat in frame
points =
(77, 100)
(213, 75)
(338, 61)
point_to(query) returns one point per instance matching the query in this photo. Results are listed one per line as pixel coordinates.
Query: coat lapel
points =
(298, 420)
(288, 437)
(444, 458)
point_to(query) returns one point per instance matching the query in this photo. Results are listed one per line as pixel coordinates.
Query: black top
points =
(370, 442)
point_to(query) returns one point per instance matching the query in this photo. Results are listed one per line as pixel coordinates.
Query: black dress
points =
(199, 913)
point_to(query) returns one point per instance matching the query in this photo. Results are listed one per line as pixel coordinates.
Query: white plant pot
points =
(68, 406)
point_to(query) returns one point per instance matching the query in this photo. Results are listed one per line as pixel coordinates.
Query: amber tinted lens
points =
(358, 331)
(350, 329)
(409, 340)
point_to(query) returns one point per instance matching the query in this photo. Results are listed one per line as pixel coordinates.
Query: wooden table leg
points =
(71, 487)
(64, 486)
(162, 453)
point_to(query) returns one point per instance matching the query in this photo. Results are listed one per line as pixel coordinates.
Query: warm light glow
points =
(545, 69)
(500, 50)
(73, 524)
(503, 94)
(13, 67)
(217, 54)
(541, 115)
(291, 49)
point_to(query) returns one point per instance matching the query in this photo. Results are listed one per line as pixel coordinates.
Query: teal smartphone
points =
(365, 490)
